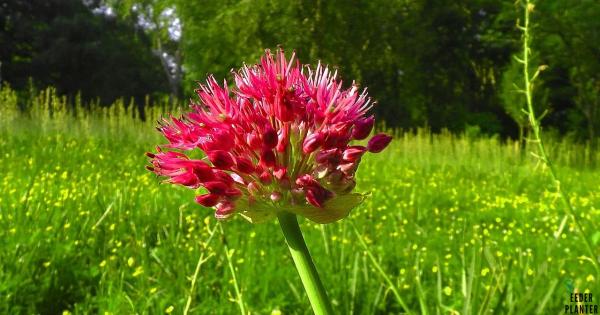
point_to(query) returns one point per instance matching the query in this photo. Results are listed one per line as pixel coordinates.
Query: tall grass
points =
(454, 224)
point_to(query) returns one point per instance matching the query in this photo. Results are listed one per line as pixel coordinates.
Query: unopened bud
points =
(378, 143)
(267, 158)
(275, 196)
(362, 128)
(270, 137)
(207, 200)
(221, 159)
(312, 142)
(215, 187)
(244, 165)
(224, 210)
(354, 153)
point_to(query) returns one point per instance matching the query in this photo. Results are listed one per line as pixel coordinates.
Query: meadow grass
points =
(454, 224)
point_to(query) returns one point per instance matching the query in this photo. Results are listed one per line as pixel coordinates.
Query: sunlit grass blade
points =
(382, 273)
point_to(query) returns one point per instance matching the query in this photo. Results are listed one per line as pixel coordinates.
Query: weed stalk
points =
(535, 122)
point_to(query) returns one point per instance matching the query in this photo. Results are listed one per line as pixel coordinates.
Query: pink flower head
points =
(280, 140)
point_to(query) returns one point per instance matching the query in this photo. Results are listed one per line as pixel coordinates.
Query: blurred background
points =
(428, 63)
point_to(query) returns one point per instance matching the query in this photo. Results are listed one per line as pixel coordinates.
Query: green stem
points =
(535, 127)
(304, 264)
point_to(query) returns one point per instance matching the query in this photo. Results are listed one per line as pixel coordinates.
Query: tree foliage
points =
(435, 63)
(64, 44)
(424, 61)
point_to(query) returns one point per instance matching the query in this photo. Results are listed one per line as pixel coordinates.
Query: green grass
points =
(456, 224)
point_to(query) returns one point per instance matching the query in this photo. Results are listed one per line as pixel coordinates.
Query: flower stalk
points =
(535, 122)
(304, 264)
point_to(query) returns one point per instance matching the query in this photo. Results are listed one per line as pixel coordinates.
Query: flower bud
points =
(224, 177)
(362, 128)
(203, 172)
(208, 200)
(280, 173)
(244, 165)
(253, 141)
(306, 180)
(312, 142)
(218, 140)
(187, 179)
(216, 187)
(270, 137)
(221, 159)
(233, 193)
(332, 156)
(317, 196)
(267, 158)
(275, 196)
(265, 178)
(332, 140)
(224, 210)
(354, 153)
(378, 143)
(285, 110)
(237, 178)
(283, 139)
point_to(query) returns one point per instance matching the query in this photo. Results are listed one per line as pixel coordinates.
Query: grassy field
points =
(457, 224)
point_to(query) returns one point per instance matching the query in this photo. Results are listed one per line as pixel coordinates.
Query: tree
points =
(513, 99)
(572, 35)
(158, 19)
(424, 61)
(65, 44)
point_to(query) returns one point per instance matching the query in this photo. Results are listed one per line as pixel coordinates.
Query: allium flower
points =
(280, 140)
